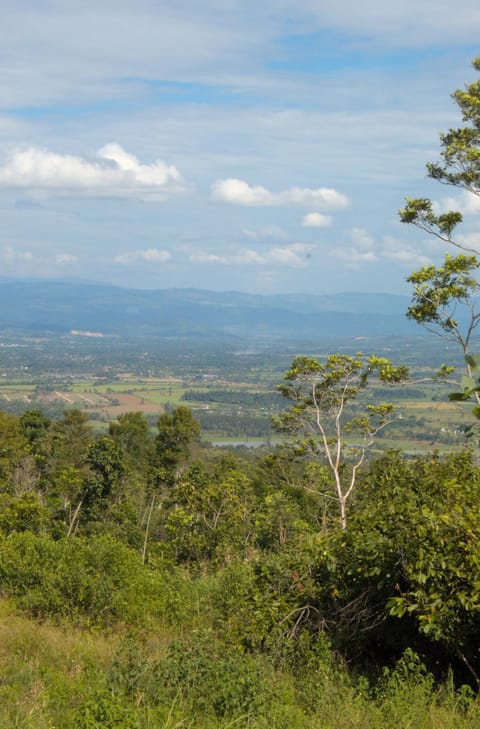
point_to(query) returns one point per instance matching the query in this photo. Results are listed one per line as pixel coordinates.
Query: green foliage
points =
(23, 513)
(419, 212)
(98, 580)
(438, 291)
(251, 606)
(177, 432)
(13, 449)
(107, 466)
(460, 167)
(105, 711)
(214, 678)
(405, 573)
(34, 425)
(321, 394)
(210, 513)
(444, 298)
(131, 432)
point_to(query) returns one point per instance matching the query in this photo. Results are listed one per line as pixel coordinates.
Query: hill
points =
(191, 313)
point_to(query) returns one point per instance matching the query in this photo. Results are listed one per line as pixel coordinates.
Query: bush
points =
(100, 581)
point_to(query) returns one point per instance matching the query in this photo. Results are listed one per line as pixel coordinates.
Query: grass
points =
(61, 677)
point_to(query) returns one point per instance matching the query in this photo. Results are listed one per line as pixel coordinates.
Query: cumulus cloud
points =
(239, 192)
(295, 255)
(316, 220)
(151, 255)
(465, 202)
(113, 173)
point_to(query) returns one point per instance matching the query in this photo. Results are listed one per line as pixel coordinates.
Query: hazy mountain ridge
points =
(62, 306)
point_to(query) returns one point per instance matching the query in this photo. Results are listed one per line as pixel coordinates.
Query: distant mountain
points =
(191, 313)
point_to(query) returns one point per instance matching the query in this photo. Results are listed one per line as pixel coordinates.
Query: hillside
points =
(192, 313)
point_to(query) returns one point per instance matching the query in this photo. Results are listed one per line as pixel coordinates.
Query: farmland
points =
(231, 390)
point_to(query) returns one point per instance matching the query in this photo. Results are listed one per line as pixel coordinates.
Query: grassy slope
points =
(61, 677)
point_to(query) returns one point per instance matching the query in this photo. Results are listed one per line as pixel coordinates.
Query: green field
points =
(232, 393)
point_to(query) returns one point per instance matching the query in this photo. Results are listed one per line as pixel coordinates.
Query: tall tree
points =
(131, 431)
(322, 395)
(177, 433)
(67, 464)
(459, 167)
(445, 297)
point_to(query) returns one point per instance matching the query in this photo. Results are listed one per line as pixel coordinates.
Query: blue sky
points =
(256, 146)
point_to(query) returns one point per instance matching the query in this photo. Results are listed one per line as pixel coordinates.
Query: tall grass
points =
(59, 677)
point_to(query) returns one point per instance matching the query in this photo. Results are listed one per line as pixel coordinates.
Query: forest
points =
(148, 579)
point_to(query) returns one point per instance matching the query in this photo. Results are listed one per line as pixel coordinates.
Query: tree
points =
(177, 432)
(444, 297)
(108, 468)
(66, 463)
(322, 394)
(14, 454)
(131, 432)
(211, 512)
(460, 168)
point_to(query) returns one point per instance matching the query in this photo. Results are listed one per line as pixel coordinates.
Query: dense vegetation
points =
(148, 580)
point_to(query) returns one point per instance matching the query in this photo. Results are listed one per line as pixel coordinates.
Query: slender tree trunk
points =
(74, 519)
(343, 513)
(147, 527)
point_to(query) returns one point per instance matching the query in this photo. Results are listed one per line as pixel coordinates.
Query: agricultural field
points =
(231, 391)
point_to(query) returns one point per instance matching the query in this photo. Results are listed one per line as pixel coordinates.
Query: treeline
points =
(265, 611)
(236, 425)
(265, 400)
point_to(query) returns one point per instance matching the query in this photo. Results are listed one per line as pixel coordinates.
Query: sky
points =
(259, 146)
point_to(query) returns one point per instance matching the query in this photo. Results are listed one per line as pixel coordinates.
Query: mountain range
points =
(62, 306)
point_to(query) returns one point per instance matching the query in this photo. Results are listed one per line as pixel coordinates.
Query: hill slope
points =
(62, 306)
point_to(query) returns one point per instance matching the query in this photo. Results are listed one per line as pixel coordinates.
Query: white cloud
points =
(405, 255)
(245, 256)
(353, 257)
(471, 203)
(466, 203)
(270, 231)
(362, 239)
(117, 45)
(316, 220)
(362, 251)
(366, 250)
(114, 173)
(295, 255)
(152, 255)
(404, 24)
(10, 256)
(65, 259)
(470, 240)
(239, 192)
